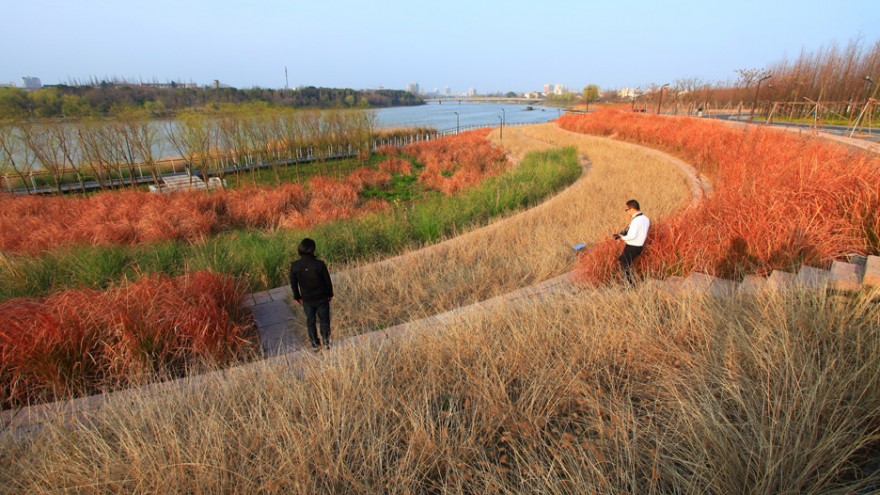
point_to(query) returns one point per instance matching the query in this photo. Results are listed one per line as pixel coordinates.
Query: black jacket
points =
(310, 280)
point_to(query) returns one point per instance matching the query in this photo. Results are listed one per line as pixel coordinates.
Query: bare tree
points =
(233, 139)
(16, 155)
(41, 144)
(190, 135)
(65, 139)
(93, 153)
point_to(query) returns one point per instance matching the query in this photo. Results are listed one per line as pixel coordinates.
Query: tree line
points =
(131, 144)
(832, 80)
(103, 99)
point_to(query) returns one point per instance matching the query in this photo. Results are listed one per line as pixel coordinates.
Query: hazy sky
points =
(487, 45)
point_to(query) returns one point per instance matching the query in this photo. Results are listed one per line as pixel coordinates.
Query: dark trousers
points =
(629, 254)
(321, 309)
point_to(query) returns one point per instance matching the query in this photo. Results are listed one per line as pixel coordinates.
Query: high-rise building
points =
(31, 82)
(472, 92)
(413, 88)
(547, 89)
(446, 91)
(558, 89)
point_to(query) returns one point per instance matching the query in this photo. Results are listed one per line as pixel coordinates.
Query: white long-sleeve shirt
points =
(637, 231)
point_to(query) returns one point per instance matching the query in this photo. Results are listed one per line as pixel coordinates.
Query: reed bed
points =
(81, 342)
(780, 200)
(523, 250)
(611, 392)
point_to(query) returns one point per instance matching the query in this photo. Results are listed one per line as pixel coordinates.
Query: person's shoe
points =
(316, 349)
(327, 347)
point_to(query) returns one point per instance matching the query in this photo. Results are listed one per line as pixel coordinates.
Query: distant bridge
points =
(484, 99)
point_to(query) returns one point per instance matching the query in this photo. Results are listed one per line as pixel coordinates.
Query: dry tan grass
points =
(519, 251)
(618, 392)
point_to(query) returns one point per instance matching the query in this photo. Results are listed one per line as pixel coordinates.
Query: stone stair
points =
(856, 273)
(183, 182)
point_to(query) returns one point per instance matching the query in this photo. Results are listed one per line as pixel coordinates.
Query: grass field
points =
(603, 391)
(618, 392)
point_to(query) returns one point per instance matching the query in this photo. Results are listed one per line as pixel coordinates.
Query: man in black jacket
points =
(313, 290)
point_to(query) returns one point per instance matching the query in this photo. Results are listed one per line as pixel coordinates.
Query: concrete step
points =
(707, 285)
(751, 285)
(780, 281)
(813, 278)
(872, 272)
(846, 276)
(672, 284)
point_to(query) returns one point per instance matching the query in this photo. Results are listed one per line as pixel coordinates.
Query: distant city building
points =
(31, 82)
(472, 92)
(446, 91)
(558, 89)
(534, 95)
(172, 84)
(547, 88)
(413, 88)
(629, 93)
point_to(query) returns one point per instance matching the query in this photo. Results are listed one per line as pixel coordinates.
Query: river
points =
(442, 116)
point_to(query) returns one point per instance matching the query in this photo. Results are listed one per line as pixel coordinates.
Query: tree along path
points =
(526, 255)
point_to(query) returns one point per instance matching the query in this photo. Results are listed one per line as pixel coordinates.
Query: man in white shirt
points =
(634, 237)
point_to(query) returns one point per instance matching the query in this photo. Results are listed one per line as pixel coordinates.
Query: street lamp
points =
(660, 101)
(868, 83)
(501, 119)
(456, 122)
(503, 116)
(755, 101)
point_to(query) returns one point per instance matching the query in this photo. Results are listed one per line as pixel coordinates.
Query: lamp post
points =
(755, 101)
(660, 101)
(501, 119)
(456, 122)
(868, 83)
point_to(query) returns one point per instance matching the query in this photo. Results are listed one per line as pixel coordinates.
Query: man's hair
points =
(306, 247)
(633, 204)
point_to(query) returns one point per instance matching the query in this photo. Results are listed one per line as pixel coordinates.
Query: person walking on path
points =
(634, 237)
(313, 290)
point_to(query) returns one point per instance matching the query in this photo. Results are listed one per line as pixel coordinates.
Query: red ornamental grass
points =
(469, 156)
(264, 207)
(35, 224)
(395, 165)
(780, 199)
(367, 177)
(388, 150)
(82, 341)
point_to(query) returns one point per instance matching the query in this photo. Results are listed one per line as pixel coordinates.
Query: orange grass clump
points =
(85, 341)
(34, 224)
(367, 177)
(780, 200)
(456, 162)
(396, 165)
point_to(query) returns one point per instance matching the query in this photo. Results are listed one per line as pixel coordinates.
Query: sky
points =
(491, 46)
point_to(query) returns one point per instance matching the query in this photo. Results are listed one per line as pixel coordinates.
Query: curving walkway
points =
(281, 329)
